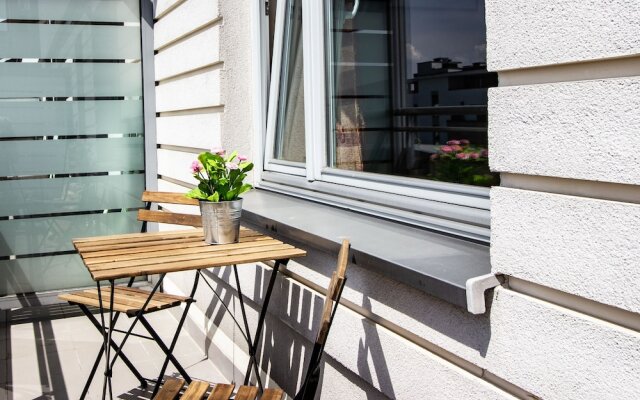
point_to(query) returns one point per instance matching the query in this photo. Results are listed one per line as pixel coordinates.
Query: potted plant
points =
(221, 182)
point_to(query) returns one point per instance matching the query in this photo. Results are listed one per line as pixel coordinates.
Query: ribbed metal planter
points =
(221, 221)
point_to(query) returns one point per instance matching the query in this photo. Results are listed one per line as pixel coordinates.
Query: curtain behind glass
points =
(290, 128)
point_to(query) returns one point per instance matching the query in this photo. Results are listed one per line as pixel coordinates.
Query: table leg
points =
(253, 362)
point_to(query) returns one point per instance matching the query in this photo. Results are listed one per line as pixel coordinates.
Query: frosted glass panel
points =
(87, 193)
(72, 134)
(27, 275)
(42, 235)
(38, 157)
(69, 41)
(69, 79)
(71, 10)
(42, 118)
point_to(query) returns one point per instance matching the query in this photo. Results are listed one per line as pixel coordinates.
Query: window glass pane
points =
(408, 89)
(289, 144)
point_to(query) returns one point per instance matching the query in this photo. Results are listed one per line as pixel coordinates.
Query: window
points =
(384, 102)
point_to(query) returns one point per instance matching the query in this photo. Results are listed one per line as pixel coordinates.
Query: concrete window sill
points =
(434, 263)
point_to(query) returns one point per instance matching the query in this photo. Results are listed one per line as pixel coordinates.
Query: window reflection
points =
(408, 87)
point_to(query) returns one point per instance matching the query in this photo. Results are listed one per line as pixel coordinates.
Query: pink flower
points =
(446, 149)
(456, 148)
(434, 157)
(218, 150)
(474, 156)
(464, 142)
(242, 158)
(452, 142)
(462, 156)
(196, 167)
(231, 165)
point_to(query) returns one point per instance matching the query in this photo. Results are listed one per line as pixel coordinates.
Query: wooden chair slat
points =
(222, 391)
(272, 394)
(126, 300)
(167, 217)
(81, 298)
(168, 197)
(170, 389)
(195, 391)
(343, 258)
(247, 393)
(159, 296)
(336, 288)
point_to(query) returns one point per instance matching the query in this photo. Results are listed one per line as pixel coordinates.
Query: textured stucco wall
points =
(526, 33)
(582, 246)
(582, 130)
(567, 218)
(236, 84)
(392, 341)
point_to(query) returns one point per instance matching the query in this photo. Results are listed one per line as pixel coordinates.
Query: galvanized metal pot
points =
(221, 221)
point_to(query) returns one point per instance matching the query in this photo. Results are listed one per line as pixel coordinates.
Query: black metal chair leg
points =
(174, 340)
(125, 359)
(164, 348)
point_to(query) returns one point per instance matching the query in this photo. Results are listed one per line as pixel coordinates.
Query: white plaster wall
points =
(573, 124)
(555, 353)
(188, 75)
(188, 17)
(236, 84)
(526, 33)
(197, 51)
(581, 130)
(582, 246)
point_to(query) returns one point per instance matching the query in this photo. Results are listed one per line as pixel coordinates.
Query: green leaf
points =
(233, 155)
(196, 194)
(215, 197)
(231, 195)
(246, 167)
(245, 188)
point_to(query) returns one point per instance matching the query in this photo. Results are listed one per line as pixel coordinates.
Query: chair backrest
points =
(165, 216)
(334, 292)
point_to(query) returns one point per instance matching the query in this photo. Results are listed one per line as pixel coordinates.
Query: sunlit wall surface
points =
(71, 135)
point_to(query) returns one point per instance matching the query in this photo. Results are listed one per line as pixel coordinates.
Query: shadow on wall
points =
(290, 328)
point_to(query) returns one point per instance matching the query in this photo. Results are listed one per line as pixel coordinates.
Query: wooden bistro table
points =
(108, 258)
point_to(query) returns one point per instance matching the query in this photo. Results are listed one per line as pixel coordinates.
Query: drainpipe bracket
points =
(475, 291)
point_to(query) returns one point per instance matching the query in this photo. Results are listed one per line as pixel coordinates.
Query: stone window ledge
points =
(437, 264)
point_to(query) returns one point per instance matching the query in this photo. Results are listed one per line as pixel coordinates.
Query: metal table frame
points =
(108, 344)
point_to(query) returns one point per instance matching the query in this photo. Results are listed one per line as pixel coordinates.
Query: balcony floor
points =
(47, 352)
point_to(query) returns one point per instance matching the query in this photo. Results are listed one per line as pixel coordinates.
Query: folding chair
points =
(198, 389)
(136, 302)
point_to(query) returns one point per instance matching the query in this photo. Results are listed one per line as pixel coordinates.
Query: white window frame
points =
(462, 210)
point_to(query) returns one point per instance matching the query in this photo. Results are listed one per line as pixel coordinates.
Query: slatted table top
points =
(136, 254)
